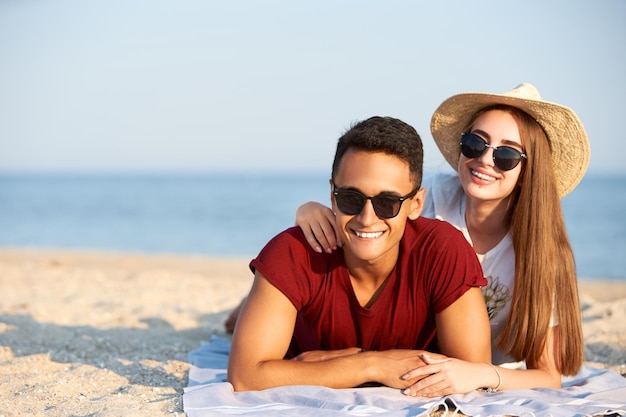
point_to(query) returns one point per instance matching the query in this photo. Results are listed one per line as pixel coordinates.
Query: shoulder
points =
(445, 262)
(289, 241)
(425, 229)
(291, 265)
(435, 239)
(289, 253)
(290, 236)
(444, 195)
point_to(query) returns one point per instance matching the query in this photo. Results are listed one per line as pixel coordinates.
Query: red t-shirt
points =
(436, 266)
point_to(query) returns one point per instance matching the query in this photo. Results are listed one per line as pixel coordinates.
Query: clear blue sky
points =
(269, 85)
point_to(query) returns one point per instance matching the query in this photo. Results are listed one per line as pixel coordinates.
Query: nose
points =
(487, 157)
(368, 216)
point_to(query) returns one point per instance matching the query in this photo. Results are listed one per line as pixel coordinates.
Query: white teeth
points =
(482, 176)
(370, 235)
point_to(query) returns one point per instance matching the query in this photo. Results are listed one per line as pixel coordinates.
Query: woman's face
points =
(481, 179)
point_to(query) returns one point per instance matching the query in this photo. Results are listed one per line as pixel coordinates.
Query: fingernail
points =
(405, 376)
(406, 391)
(318, 249)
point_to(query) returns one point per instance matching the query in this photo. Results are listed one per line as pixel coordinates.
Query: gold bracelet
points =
(499, 381)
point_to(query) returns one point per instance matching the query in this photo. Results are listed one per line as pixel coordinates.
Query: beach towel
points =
(593, 392)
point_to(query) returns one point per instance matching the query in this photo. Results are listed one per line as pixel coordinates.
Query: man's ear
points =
(332, 196)
(417, 204)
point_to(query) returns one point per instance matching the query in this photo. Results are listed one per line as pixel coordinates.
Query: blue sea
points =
(234, 214)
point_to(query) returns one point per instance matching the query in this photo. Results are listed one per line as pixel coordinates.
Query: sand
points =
(107, 334)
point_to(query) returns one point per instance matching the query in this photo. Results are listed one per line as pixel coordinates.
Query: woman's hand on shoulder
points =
(318, 225)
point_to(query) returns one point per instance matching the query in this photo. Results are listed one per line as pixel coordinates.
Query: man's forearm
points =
(344, 371)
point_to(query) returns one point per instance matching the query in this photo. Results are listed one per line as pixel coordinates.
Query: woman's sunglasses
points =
(504, 157)
(386, 206)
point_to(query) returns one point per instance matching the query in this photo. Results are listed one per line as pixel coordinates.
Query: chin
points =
(363, 253)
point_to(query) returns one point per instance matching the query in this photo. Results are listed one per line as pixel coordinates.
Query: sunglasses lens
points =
(386, 206)
(472, 146)
(349, 202)
(507, 158)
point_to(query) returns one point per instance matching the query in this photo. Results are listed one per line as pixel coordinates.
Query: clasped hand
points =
(442, 376)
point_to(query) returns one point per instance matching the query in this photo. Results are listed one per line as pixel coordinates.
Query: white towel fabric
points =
(593, 392)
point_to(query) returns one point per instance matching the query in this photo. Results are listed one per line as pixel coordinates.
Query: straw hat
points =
(566, 134)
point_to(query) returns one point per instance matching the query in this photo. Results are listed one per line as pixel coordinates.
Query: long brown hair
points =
(545, 272)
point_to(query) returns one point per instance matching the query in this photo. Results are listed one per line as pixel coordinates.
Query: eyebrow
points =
(383, 193)
(507, 142)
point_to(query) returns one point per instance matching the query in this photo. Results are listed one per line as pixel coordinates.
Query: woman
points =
(516, 156)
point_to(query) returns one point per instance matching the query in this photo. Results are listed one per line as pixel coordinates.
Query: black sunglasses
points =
(504, 157)
(386, 206)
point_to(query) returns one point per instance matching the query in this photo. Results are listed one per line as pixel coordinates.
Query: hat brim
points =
(565, 132)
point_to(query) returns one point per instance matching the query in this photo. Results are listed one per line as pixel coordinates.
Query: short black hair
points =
(387, 135)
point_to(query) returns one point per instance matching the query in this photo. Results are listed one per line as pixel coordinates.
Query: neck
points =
(368, 276)
(486, 223)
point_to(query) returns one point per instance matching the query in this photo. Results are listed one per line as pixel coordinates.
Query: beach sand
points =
(107, 334)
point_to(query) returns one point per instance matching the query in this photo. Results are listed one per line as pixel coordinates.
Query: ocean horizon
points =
(235, 214)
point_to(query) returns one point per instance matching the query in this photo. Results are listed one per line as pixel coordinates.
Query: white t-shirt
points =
(445, 200)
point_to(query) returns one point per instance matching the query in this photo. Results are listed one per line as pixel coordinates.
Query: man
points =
(399, 284)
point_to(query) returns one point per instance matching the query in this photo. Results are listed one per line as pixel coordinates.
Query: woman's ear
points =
(417, 204)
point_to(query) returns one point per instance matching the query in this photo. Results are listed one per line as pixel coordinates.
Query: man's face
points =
(367, 237)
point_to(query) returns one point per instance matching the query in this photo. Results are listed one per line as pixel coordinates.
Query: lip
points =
(481, 177)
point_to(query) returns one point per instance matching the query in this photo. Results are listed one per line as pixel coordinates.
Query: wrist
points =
(369, 364)
(493, 379)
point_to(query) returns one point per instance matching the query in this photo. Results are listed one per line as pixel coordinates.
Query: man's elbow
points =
(247, 378)
(238, 386)
(237, 381)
